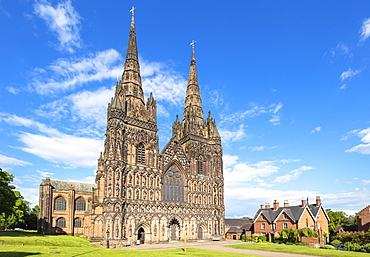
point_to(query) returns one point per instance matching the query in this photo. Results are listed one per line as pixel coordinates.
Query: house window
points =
(140, 154)
(60, 204)
(61, 223)
(80, 204)
(263, 225)
(285, 225)
(273, 226)
(78, 223)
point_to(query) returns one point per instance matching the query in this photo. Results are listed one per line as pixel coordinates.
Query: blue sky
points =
(287, 81)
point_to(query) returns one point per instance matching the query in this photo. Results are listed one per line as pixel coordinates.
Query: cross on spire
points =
(132, 11)
(192, 43)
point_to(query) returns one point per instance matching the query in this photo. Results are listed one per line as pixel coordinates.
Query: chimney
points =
(267, 205)
(276, 205)
(262, 206)
(286, 203)
(318, 200)
(304, 202)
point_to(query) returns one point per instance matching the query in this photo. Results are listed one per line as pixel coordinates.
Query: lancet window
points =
(140, 154)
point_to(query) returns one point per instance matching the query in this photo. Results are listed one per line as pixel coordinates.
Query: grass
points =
(22, 243)
(298, 249)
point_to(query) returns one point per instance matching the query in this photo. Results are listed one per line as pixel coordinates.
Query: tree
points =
(338, 218)
(7, 193)
(291, 234)
(14, 210)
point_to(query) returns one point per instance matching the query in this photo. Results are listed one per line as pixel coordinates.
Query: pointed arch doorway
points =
(200, 233)
(141, 235)
(174, 230)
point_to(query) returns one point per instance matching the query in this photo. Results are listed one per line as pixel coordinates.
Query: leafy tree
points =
(14, 210)
(308, 232)
(338, 218)
(7, 193)
(291, 233)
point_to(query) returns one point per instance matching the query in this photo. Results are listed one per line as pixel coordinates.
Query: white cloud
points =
(344, 86)
(10, 161)
(349, 74)
(30, 194)
(364, 148)
(244, 172)
(165, 84)
(229, 160)
(65, 74)
(317, 129)
(366, 182)
(45, 174)
(292, 175)
(232, 136)
(56, 146)
(62, 20)
(162, 111)
(273, 110)
(71, 150)
(257, 148)
(365, 30)
(12, 90)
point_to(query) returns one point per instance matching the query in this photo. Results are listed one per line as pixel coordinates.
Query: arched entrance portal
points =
(141, 235)
(174, 229)
(200, 233)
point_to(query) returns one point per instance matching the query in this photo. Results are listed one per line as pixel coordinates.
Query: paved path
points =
(215, 246)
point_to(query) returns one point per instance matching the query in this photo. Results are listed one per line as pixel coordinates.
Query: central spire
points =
(131, 79)
(132, 46)
(193, 112)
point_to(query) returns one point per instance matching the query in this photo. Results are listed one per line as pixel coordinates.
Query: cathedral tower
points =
(140, 194)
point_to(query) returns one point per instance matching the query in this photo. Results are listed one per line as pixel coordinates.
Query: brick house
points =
(236, 227)
(271, 221)
(363, 219)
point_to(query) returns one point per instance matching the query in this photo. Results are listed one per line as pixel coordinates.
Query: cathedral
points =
(142, 195)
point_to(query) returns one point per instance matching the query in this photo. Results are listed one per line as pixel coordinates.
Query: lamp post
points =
(107, 238)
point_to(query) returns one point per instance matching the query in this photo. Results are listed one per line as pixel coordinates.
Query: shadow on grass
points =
(17, 254)
(20, 234)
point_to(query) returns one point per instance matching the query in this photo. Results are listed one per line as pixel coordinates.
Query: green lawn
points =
(51, 245)
(297, 249)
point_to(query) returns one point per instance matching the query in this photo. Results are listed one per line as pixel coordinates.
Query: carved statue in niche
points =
(130, 178)
(144, 194)
(117, 231)
(117, 190)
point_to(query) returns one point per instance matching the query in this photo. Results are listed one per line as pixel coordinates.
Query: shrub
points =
(262, 238)
(243, 238)
(366, 248)
(336, 242)
(329, 247)
(355, 247)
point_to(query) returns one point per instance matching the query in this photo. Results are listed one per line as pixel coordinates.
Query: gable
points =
(173, 152)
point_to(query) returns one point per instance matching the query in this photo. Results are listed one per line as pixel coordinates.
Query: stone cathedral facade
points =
(141, 194)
